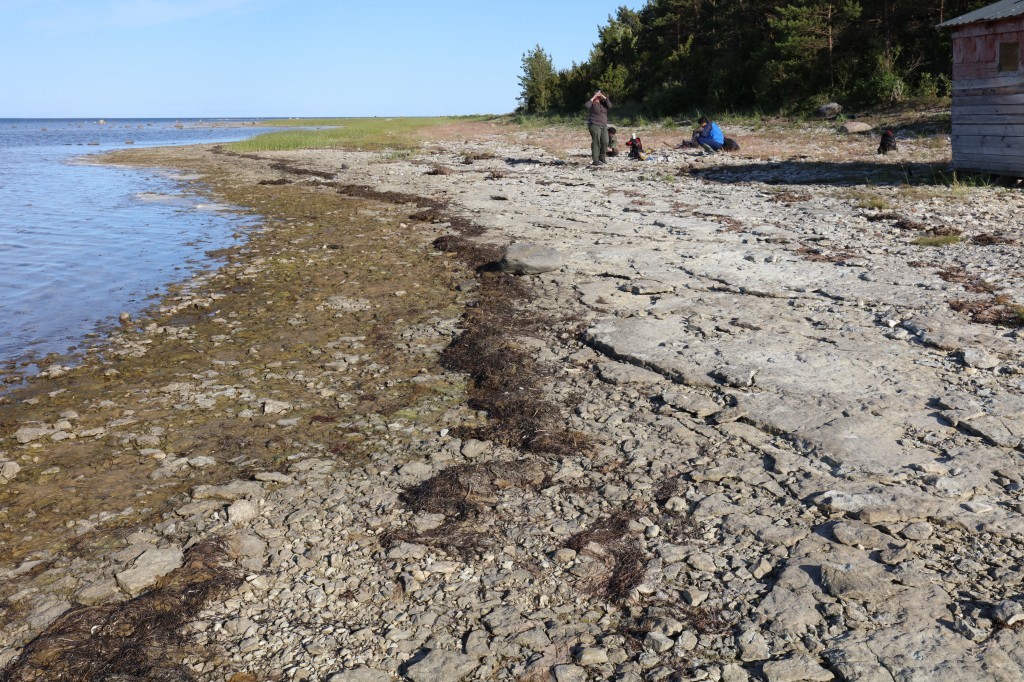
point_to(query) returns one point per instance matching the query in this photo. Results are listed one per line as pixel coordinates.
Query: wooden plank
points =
(989, 140)
(987, 100)
(983, 28)
(987, 120)
(976, 158)
(969, 148)
(994, 168)
(988, 91)
(996, 80)
(1007, 131)
(989, 167)
(985, 109)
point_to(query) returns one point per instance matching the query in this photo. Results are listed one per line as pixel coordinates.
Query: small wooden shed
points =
(988, 89)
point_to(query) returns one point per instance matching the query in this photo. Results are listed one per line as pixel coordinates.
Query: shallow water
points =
(81, 243)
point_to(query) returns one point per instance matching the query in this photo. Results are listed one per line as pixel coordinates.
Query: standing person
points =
(709, 135)
(597, 122)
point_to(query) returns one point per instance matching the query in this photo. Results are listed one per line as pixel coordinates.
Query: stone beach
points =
(800, 422)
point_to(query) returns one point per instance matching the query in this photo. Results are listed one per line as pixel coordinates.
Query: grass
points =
(942, 240)
(401, 134)
(868, 199)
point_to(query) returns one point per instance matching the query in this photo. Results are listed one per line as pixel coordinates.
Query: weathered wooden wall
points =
(988, 105)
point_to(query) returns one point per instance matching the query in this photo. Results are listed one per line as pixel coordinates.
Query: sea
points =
(80, 243)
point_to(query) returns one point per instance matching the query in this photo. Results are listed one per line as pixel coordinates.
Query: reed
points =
(346, 133)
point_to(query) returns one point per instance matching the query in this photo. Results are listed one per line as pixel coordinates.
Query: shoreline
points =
(770, 480)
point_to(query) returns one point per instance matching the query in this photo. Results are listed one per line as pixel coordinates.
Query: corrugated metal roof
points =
(997, 10)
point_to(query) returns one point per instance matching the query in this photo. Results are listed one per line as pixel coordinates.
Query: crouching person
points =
(709, 136)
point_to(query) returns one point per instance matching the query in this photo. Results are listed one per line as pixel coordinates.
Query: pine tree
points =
(808, 35)
(537, 82)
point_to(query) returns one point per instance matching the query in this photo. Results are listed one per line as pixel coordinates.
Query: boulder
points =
(830, 110)
(530, 259)
(854, 127)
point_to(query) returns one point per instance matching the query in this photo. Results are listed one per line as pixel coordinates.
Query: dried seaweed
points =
(133, 641)
(611, 541)
(998, 310)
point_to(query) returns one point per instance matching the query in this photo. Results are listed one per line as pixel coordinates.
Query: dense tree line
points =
(742, 55)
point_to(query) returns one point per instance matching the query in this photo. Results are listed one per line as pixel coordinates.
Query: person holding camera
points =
(597, 122)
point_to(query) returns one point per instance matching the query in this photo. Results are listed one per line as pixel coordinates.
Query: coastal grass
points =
(374, 134)
(937, 240)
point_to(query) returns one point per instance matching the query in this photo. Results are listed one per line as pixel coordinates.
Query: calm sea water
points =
(81, 243)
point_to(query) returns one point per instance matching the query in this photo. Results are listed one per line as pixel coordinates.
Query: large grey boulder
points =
(530, 259)
(830, 110)
(855, 127)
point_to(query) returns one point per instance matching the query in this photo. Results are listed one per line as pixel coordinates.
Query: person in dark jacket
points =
(597, 122)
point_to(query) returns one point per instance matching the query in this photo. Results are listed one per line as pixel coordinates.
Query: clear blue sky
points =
(212, 58)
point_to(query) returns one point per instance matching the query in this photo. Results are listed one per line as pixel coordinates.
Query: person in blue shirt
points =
(709, 136)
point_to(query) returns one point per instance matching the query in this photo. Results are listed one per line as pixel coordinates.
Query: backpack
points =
(636, 148)
(888, 142)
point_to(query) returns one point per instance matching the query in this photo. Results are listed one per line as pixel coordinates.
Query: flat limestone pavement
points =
(801, 455)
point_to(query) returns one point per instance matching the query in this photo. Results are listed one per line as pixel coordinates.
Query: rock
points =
(752, 645)
(98, 593)
(530, 259)
(855, 582)
(976, 357)
(415, 469)
(648, 287)
(474, 448)
(273, 477)
(830, 110)
(921, 530)
(591, 656)
(45, 613)
(275, 406)
(406, 550)
(250, 549)
(242, 511)
(657, 642)
(29, 434)
(799, 668)
(855, 127)
(503, 620)
(564, 555)
(361, 675)
(1008, 612)
(149, 567)
(440, 664)
(8, 470)
(569, 673)
(229, 491)
(858, 534)
(731, 672)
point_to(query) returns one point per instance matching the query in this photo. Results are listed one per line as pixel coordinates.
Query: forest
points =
(763, 56)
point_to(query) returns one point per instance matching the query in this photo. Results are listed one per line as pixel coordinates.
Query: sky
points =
(255, 58)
